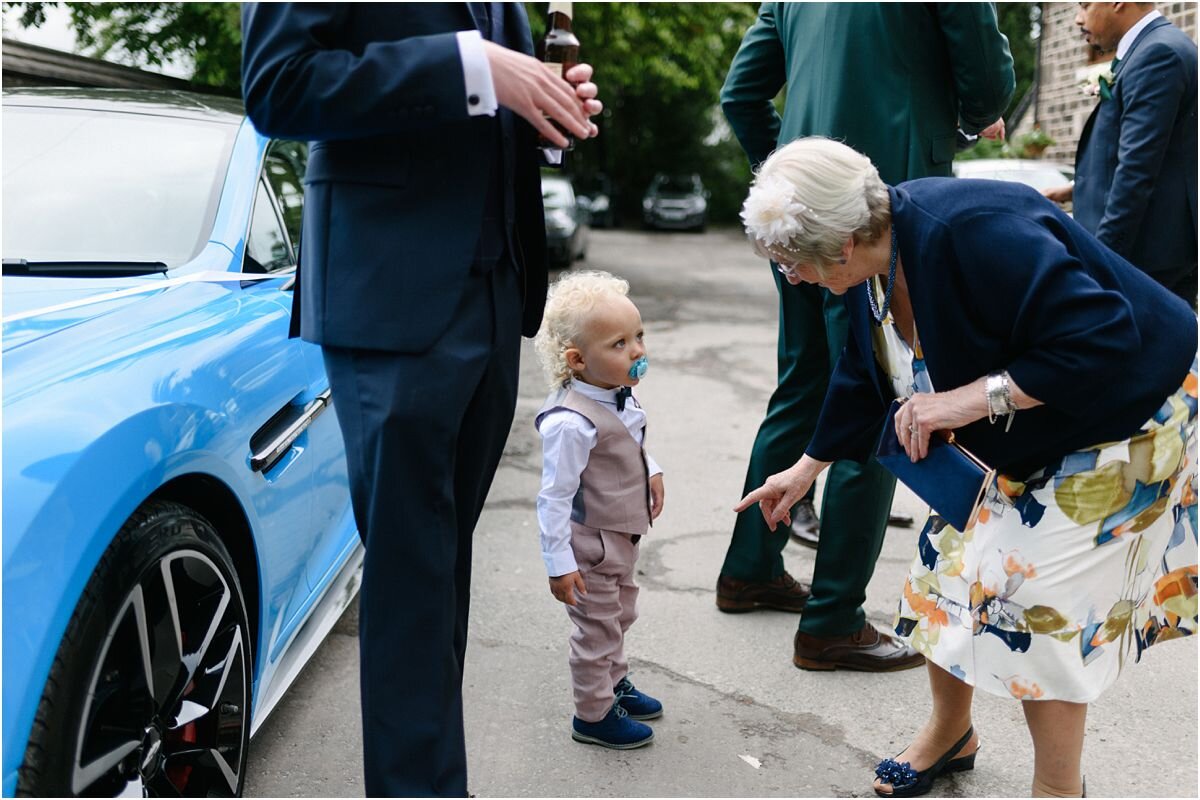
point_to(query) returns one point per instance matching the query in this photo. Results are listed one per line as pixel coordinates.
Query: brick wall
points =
(1062, 107)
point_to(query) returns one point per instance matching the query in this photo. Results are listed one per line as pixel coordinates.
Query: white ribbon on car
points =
(153, 286)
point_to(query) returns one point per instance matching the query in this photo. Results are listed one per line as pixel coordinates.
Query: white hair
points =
(809, 198)
(569, 302)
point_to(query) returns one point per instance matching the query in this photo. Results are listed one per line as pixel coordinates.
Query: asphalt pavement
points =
(740, 720)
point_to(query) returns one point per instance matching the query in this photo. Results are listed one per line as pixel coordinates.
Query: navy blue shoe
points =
(636, 704)
(616, 731)
(907, 782)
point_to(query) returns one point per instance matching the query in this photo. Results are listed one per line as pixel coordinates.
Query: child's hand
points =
(656, 496)
(561, 587)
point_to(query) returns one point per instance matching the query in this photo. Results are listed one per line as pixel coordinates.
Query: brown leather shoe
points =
(784, 593)
(866, 650)
(806, 525)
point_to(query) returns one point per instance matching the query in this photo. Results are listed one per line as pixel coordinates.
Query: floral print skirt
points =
(1066, 576)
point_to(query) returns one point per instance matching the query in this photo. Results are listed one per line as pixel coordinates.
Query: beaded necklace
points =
(876, 311)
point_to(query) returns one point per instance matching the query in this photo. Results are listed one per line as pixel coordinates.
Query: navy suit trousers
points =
(424, 434)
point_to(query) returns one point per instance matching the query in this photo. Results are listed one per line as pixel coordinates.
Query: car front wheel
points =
(149, 693)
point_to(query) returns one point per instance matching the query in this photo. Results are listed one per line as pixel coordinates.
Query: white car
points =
(1038, 174)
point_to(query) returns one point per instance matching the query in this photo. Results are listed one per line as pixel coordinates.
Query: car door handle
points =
(272, 441)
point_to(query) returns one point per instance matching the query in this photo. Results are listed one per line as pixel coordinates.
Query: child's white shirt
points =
(567, 442)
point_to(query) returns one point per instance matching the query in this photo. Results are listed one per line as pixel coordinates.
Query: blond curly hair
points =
(570, 299)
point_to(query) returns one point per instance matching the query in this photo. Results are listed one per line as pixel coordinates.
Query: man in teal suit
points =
(894, 81)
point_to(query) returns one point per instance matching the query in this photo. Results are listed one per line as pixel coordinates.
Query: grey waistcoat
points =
(614, 489)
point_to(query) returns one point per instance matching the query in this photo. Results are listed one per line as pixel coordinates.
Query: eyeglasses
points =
(786, 271)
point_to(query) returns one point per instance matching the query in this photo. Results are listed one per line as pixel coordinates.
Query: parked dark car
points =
(566, 222)
(678, 202)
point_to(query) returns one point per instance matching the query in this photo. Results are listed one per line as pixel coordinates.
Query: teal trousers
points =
(813, 326)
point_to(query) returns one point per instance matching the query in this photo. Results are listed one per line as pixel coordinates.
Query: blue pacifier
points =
(638, 370)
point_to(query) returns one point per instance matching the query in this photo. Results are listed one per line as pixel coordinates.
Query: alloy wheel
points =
(166, 711)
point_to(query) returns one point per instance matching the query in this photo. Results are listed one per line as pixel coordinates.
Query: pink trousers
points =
(602, 616)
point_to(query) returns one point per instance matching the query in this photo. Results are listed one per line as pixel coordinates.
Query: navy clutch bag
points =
(950, 479)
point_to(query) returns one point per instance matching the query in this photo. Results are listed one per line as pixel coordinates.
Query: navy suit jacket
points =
(1135, 170)
(1001, 279)
(398, 171)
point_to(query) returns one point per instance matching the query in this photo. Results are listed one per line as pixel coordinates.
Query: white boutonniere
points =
(772, 212)
(1097, 81)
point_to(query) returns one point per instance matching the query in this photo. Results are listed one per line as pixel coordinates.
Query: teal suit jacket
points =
(892, 80)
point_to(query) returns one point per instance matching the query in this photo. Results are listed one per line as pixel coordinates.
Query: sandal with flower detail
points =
(907, 782)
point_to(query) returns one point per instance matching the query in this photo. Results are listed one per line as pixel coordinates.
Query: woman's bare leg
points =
(1057, 729)
(948, 721)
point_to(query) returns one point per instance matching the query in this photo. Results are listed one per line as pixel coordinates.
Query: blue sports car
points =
(178, 536)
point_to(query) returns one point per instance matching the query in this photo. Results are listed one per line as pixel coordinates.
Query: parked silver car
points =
(676, 201)
(566, 222)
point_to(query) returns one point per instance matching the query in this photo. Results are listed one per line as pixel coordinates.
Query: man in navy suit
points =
(423, 264)
(1135, 168)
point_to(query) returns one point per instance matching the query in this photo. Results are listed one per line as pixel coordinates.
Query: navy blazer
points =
(1001, 279)
(398, 171)
(1135, 169)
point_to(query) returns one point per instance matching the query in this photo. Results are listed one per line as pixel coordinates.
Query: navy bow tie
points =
(624, 393)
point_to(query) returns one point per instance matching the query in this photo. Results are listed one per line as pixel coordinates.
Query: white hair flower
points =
(772, 212)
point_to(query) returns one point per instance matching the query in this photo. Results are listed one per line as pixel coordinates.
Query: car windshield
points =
(556, 194)
(85, 185)
(677, 185)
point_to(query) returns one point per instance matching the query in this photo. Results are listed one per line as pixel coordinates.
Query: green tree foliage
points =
(151, 34)
(1021, 23)
(660, 67)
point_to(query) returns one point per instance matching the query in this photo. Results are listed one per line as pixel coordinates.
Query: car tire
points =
(149, 691)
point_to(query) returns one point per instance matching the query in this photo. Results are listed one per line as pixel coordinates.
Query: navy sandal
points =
(907, 782)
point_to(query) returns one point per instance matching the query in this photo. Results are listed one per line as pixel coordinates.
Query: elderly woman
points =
(1054, 361)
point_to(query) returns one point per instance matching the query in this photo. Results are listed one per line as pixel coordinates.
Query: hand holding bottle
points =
(526, 87)
(580, 77)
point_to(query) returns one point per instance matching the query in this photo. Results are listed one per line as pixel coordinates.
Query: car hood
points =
(32, 301)
(32, 305)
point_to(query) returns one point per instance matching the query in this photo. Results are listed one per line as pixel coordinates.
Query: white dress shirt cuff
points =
(558, 564)
(477, 75)
(652, 467)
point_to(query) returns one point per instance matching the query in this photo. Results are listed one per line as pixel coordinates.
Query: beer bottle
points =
(560, 52)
